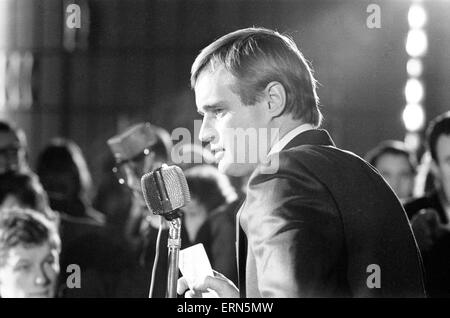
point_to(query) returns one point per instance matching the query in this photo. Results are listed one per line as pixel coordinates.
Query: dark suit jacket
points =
(314, 228)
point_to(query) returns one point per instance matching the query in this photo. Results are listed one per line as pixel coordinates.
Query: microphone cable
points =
(155, 261)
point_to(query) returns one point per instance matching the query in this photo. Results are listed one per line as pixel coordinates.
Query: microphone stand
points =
(173, 245)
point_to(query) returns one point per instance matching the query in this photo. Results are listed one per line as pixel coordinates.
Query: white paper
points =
(195, 266)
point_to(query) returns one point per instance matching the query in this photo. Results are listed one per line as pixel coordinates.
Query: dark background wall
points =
(135, 61)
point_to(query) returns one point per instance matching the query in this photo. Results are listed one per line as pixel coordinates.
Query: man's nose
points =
(207, 133)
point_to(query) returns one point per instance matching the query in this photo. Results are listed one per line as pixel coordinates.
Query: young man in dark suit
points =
(317, 221)
(430, 214)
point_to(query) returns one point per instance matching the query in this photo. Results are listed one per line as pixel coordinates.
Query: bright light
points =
(414, 91)
(416, 43)
(412, 141)
(413, 117)
(414, 67)
(417, 17)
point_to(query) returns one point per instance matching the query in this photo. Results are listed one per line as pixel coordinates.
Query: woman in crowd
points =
(64, 174)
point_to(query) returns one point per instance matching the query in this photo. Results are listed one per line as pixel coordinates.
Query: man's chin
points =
(236, 169)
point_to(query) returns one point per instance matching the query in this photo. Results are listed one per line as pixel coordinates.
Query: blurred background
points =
(130, 61)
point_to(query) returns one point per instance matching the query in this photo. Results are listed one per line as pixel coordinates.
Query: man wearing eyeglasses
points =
(139, 149)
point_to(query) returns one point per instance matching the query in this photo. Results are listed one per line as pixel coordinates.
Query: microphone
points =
(165, 190)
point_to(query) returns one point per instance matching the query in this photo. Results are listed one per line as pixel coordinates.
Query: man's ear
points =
(276, 98)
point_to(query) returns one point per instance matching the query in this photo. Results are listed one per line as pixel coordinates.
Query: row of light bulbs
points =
(416, 47)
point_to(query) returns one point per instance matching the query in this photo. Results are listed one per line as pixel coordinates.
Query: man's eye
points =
(22, 267)
(219, 112)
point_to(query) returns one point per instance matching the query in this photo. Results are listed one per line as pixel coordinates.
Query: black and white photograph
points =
(240, 150)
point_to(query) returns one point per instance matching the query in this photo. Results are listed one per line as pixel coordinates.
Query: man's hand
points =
(219, 283)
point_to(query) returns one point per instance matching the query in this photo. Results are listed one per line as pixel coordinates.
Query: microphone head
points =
(165, 190)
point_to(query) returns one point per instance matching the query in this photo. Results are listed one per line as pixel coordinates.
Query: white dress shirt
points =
(280, 144)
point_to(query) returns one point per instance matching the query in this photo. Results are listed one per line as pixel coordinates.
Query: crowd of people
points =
(425, 193)
(307, 234)
(109, 234)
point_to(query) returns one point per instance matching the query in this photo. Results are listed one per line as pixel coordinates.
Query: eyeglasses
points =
(134, 165)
